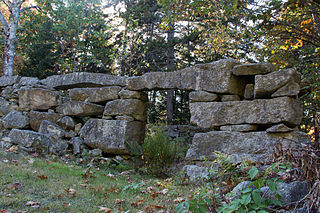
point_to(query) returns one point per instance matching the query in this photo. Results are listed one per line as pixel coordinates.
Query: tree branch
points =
(28, 8)
(4, 22)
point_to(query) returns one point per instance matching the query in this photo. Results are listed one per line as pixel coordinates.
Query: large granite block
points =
(261, 111)
(78, 108)
(112, 136)
(94, 95)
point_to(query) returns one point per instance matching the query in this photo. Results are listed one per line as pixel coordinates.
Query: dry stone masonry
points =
(243, 110)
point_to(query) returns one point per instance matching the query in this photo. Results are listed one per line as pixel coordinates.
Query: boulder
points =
(37, 117)
(253, 69)
(279, 128)
(128, 94)
(112, 136)
(51, 129)
(15, 119)
(66, 123)
(5, 142)
(83, 79)
(202, 96)
(225, 98)
(260, 111)
(239, 128)
(9, 80)
(4, 106)
(214, 77)
(37, 99)
(28, 81)
(195, 173)
(78, 108)
(94, 95)
(290, 89)
(27, 138)
(76, 144)
(255, 146)
(131, 107)
(249, 92)
(266, 85)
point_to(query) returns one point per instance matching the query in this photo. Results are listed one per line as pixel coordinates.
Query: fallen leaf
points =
(66, 204)
(15, 185)
(118, 201)
(104, 209)
(121, 209)
(70, 191)
(33, 204)
(138, 203)
(12, 149)
(4, 211)
(59, 195)
(150, 207)
(31, 160)
(83, 185)
(164, 191)
(42, 177)
(179, 200)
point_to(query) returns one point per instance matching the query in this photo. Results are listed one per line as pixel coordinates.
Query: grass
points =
(56, 186)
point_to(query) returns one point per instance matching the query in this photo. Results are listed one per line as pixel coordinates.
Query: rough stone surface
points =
(290, 89)
(29, 138)
(225, 98)
(111, 136)
(253, 69)
(9, 80)
(96, 152)
(279, 128)
(5, 142)
(76, 144)
(255, 146)
(195, 173)
(37, 117)
(249, 92)
(83, 79)
(51, 129)
(265, 85)
(66, 123)
(77, 128)
(290, 192)
(15, 119)
(128, 94)
(94, 95)
(202, 96)
(236, 191)
(4, 106)
(261, 111)
(28, 81)
(124, 118)
(239, 128)
(37, 99)
(214, 77)
(78, 108)
(131, 107)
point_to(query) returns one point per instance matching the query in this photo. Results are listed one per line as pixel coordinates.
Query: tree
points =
(9, 32)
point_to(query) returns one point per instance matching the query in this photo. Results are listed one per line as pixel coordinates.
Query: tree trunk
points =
(170, 67)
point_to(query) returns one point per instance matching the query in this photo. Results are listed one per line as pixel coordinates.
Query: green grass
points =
(47, 181)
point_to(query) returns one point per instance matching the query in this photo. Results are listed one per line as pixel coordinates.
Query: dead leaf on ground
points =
(138, 203)
(66, 204)
(179, 200)
(13, 149)
(70, 191)
(4, 211)
(33, 204)
(164, 191)
(42, 177)
(104, 209)
(118, 201)
(150, 207)
(15, 185)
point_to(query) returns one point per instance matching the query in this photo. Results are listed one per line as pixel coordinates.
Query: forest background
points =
(132, 37)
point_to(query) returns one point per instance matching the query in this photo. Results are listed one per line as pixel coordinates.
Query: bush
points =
(159, 151)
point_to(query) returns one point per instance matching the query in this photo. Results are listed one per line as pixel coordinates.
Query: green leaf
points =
(256, 197)
(246, 199)
(253, 172)
(272, 185)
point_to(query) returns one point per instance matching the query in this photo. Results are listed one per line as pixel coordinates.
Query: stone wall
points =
(246, 109)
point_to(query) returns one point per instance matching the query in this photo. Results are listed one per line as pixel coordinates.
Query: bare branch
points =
(4, 22)
(31, 7)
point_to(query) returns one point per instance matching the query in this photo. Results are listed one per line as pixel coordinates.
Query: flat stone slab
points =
(202, 96)
(260, 111)
(83, 79)
(27, 138)
(37, 117)
(256, 146)
(15, 119)
(253, 69)
(239, 128)
(9, 80)
(131, 107)
(37, 99)
(267, 84)
(214, 77)
(112, 136)
(78, 108)
(94, 95)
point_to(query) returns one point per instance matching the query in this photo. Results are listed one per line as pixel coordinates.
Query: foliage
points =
(159, 151)
(197, 204)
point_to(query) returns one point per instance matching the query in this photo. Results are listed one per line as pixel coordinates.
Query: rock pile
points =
(246, 109)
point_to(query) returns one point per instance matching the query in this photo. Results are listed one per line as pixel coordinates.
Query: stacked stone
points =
(248, 124)
(73, 109)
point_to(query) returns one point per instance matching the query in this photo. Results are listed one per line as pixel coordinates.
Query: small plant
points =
(159, 151)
